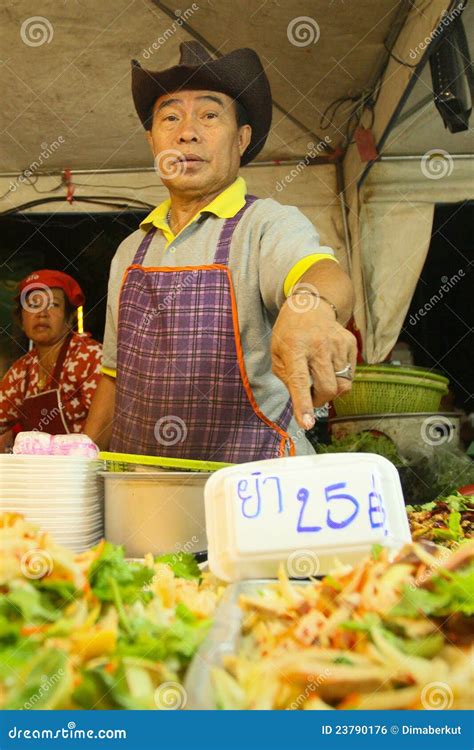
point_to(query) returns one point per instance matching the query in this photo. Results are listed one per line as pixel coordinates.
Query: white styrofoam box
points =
(308, 512)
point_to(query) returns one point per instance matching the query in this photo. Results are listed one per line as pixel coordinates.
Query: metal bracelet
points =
(319, 296)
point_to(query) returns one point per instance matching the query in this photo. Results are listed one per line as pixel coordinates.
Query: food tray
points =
(223, 639)
(122, 462)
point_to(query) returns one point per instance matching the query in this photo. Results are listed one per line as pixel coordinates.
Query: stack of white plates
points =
(61, 494)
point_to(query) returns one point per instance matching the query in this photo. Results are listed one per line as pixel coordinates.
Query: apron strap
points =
(60, 361)
(225, 237)
(223, 245)
(143, 247)
(57, 368)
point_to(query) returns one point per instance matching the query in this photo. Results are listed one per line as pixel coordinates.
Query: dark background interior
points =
(83, 246)
(443, 339)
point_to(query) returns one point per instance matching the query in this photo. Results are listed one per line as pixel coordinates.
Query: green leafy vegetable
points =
(364, 442)
(178, 640)
(101, 691)
(15, 656)
(376, 550)
(365, 625)
(130, 577)
(183, 565)
(426, 647)
(454, 523)
(45, 684)
(455, 502)
(25, 602)
(9, 630)
(449, 593)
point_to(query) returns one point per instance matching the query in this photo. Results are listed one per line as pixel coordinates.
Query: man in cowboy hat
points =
(225, 321)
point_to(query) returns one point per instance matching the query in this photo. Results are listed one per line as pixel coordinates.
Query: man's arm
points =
(309, 344)
(101, 414)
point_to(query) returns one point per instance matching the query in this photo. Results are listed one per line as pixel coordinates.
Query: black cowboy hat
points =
(239, 74)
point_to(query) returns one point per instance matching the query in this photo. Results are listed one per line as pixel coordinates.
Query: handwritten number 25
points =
(332, 493)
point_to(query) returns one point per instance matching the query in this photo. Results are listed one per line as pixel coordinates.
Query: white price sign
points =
(338, 505)
(294, 510)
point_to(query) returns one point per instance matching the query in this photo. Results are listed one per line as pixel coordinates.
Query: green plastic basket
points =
(391, 389)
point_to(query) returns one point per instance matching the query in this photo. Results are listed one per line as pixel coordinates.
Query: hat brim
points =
(239, 74)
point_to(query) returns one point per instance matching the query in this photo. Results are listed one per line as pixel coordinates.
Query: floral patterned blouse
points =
(79, 378)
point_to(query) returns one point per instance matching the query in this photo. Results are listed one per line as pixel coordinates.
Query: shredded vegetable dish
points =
(93, 630)
(382, 635)
(447, 520)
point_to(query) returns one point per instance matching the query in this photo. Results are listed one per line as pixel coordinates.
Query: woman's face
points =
(43, 316)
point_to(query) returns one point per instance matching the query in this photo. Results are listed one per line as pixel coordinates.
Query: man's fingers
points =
(347, 355)
(297, 379)
(325, 385)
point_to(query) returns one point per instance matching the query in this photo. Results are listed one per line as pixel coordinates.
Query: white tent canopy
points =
(421, 164)
(69, 106)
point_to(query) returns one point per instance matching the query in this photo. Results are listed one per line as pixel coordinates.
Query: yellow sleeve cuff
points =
(300, 268)
(108, 371)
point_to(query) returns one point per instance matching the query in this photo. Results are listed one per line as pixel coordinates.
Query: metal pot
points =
(159, 512)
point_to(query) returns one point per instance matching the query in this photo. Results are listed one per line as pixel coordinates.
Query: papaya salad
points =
(93, 630)
(386, 634)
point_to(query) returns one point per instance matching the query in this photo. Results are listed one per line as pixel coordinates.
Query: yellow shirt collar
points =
(225, 205)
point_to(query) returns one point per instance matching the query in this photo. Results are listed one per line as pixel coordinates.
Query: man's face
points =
(196, 142)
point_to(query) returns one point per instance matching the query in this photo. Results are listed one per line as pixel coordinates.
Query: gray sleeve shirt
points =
(268, 242)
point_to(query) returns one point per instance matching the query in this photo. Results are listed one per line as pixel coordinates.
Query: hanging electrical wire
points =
(100, 200)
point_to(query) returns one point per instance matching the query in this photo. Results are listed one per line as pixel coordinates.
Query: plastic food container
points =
(159, 512)
(63, 495)
(223, 639)
(306, 512)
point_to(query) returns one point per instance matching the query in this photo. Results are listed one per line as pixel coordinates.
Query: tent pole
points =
(314, 162)
(417, 157)
(343, 205)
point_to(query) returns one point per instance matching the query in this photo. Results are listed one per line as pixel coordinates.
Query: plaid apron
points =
(182, 390)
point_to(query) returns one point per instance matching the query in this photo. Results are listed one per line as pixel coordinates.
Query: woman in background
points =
(50, 388)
